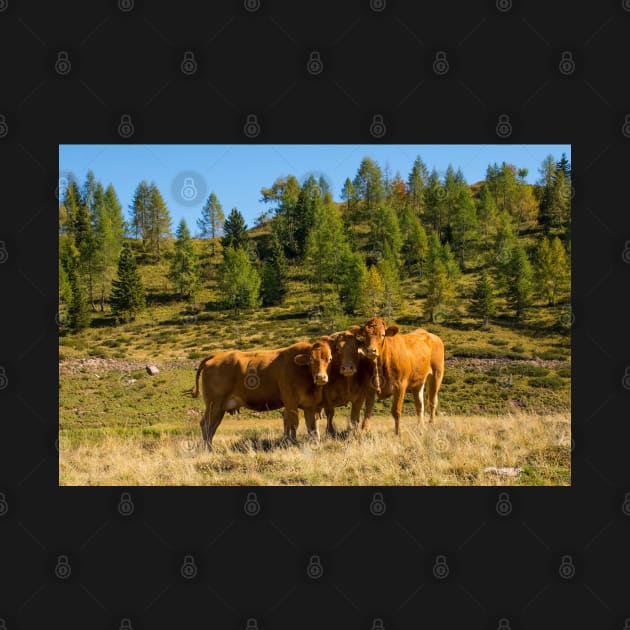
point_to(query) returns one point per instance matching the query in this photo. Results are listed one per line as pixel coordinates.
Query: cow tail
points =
(195, 392)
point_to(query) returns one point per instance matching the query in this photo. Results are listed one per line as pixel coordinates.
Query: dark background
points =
(376, 569)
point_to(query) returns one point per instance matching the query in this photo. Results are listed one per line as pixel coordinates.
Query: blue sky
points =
(186, 174)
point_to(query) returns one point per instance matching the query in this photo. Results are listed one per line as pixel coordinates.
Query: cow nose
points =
(321, 378)
(373, 352)
(348, 370)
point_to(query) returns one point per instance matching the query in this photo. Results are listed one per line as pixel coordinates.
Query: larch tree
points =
(417, 184)
(160, 221)
(368, 186)
(184, 271)
(238, 280)
(211, 221)
(519, 282)
(141, 212)
(552, 270)
(483, 302)
(353, 279)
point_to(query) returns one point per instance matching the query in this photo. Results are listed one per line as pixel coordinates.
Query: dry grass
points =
(453, 451)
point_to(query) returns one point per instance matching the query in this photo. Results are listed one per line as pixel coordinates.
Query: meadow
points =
(504, 402)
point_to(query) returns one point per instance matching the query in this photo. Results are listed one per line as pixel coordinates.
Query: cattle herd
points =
(351, 366)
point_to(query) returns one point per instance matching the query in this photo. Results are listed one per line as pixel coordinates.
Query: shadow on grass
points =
(261, 444)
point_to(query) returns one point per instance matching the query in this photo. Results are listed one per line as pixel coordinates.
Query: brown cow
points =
(401, 362)
(349, 378)
(261, 380)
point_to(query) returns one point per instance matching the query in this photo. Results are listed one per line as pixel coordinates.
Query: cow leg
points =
(291, 420)
(435, 380)
(369, 407)
(355, 412)
(397, 405)
(310, 419)
(418, 399)
(215, 416)
(205, 423)
(330, 425)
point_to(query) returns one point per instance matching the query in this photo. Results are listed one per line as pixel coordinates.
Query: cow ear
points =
(301, 359)
(392, 330)
(356, 331)
(330, 338)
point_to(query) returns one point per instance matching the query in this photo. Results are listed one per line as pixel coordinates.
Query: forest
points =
(354, 254)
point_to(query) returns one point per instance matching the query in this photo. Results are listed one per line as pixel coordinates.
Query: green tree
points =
(385, 236)
(519, 281)
(464, 221)
(414, 240)
(326, 246)
(504, 242)
(78, 313)
(483, 302)
(487, 213)
(353, 279)
(274, 280)
(392, 294)
(441, 274)
(184, 271)
(552, 270)
(435, 196)
(141, 212)
(235, 231)
(372, 297)
(546, 182)
(238, 280)
(309, 203)
(368, 186)
(284, 194)
(417, 184)
(212, 218)
(349, 208)
(128, 297)
(160, 221)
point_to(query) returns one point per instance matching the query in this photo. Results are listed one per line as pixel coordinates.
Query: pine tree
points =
(414, 240)
(353, 279)
(368, 186)
(546, 182)
(78, 313)
(417, 184)
(274, 280)
(184, 272)
(160, 221)
(464, 221)
(392, 294)
(235, 231)
(385, 237)
(435, 195)
(128, 297)
(65, 289)
(519, 282)
(551, 269)
(212, 218)
(487, 213)
(504, 242)
(373, 293)
(441, 274)
(141, 212)
(309, 202)
(238, 280)
(325, 247)
(483, 304)
(348, 213)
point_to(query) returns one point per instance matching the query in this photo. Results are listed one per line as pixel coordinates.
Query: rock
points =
(508, 471)
(152, 370)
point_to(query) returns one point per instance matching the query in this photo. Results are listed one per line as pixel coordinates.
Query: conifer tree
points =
(483, 303)
(128, 297)
(238, 280)
(212, 219)
(184, 272)
(235, 231)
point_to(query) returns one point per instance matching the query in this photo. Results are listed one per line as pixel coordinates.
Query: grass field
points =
(505, 399)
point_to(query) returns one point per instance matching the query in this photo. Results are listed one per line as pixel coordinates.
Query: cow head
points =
(346, 351)
(318, 358)
(372, 334)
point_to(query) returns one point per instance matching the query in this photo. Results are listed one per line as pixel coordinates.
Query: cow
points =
(349, 378)
(401, 362)
(291, 377)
